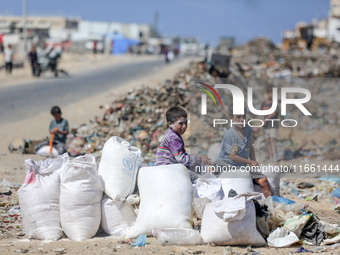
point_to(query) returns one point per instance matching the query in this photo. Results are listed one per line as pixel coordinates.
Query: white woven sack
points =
(166, 197)
(39, 198)
(117, 216)
(118, 168)
(80, 198)
(233, 232)
(241, 182)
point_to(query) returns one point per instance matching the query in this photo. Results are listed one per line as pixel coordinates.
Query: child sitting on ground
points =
(60, 128)
(237, 149)
(171, 150)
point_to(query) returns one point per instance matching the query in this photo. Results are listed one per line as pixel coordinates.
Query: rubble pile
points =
(10, 215)
(260, 58)
(139, 116)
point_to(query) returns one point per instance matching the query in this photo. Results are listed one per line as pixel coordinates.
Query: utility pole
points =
(24, 6)
(155, 22)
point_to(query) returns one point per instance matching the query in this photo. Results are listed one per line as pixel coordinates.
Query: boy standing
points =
(171, 150)
(237, 149)
(8, 57)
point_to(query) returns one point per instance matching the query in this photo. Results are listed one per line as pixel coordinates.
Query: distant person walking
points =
(166, 51)
(34, 61)
(8, 57)
(94, 47)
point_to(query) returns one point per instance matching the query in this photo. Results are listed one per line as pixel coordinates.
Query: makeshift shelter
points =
(120, 44)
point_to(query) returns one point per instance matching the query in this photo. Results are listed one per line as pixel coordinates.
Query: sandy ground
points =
(12, 169)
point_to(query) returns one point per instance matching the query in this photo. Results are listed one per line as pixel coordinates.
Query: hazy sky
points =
(208, 20)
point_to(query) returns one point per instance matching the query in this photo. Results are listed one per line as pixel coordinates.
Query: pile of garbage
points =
(138, 116)
(75, 197)
(10, 215)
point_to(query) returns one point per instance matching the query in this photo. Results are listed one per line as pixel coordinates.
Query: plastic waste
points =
(283, 200)
(297, 223)
(331, 230)
(313, 231)
(330, 178)
(314, 197)
(281, 238)
(327, 186)
(15, 210)
(300, 250)
(177, 236)
(208, 186)
(140, 241)
(281, 212)
(336, 193)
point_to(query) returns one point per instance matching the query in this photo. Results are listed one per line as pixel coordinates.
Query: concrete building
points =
(334, 21)
(73, 28)
(334, 8)
(94, 29)
(16, 23)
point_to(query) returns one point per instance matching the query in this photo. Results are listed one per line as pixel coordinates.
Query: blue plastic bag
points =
(336, 193)
(283, 200)
(140, 241)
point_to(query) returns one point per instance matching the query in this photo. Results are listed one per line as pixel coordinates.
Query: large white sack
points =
(117, 216)
(80, 198)
(118, 168)
(231, 232)
(39, 198)
(166, 197)
(241, 182)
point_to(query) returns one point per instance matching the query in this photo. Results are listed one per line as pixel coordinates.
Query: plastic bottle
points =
(177, 236)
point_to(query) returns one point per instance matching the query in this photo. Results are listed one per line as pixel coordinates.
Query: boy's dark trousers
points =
(9, 67)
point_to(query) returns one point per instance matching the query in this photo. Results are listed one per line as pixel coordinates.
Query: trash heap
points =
(138, 116)
(260, 58)
(324, 187)
(10, 215)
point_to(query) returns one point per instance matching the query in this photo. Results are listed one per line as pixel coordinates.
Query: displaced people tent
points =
(120, 44)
